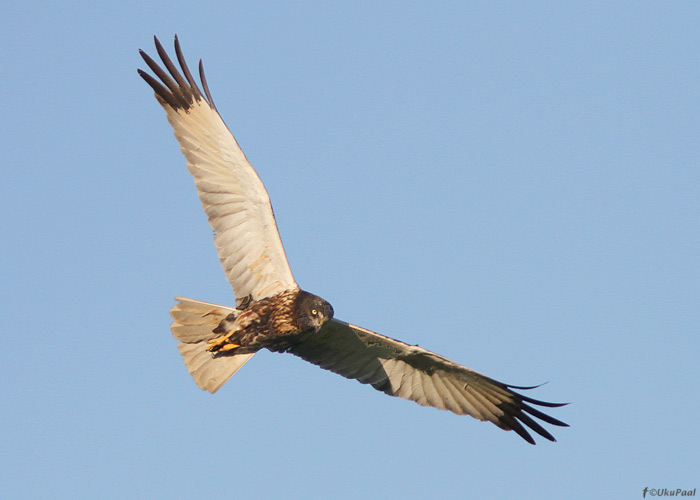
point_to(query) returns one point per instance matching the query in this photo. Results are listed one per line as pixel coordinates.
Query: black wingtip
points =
(532, 400)
(519, 411)
(205, 85)
(171, 88)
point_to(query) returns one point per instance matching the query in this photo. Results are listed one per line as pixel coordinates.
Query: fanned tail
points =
(193, 325)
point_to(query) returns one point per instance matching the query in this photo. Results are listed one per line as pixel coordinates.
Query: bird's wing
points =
(232, 194)
(411, 372)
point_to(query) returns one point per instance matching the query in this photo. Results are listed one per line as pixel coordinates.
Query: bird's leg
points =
(222, 343)
(228, 347)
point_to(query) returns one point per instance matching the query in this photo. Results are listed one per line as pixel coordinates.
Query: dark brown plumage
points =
(272, 322)
(272, 311)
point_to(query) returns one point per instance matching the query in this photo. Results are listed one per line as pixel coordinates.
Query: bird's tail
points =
(193, 325)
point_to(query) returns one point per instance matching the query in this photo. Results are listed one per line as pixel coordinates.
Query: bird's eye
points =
(314, 312)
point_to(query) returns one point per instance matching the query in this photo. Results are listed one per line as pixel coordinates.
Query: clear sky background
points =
(513, 185)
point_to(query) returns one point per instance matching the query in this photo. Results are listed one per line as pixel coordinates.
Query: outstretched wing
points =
(411, 372)
(232, 194)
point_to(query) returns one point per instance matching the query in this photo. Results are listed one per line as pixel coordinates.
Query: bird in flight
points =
(271, 311)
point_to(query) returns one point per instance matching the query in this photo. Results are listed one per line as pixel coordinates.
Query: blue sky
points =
(512, 185)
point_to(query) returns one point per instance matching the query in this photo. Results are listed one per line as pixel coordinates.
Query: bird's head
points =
(312, 311)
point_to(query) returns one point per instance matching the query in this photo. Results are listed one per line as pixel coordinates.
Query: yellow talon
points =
(222, 343)
(228, 347)
(220, 340)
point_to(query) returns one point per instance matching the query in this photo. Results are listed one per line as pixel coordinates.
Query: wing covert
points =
(232, 195)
